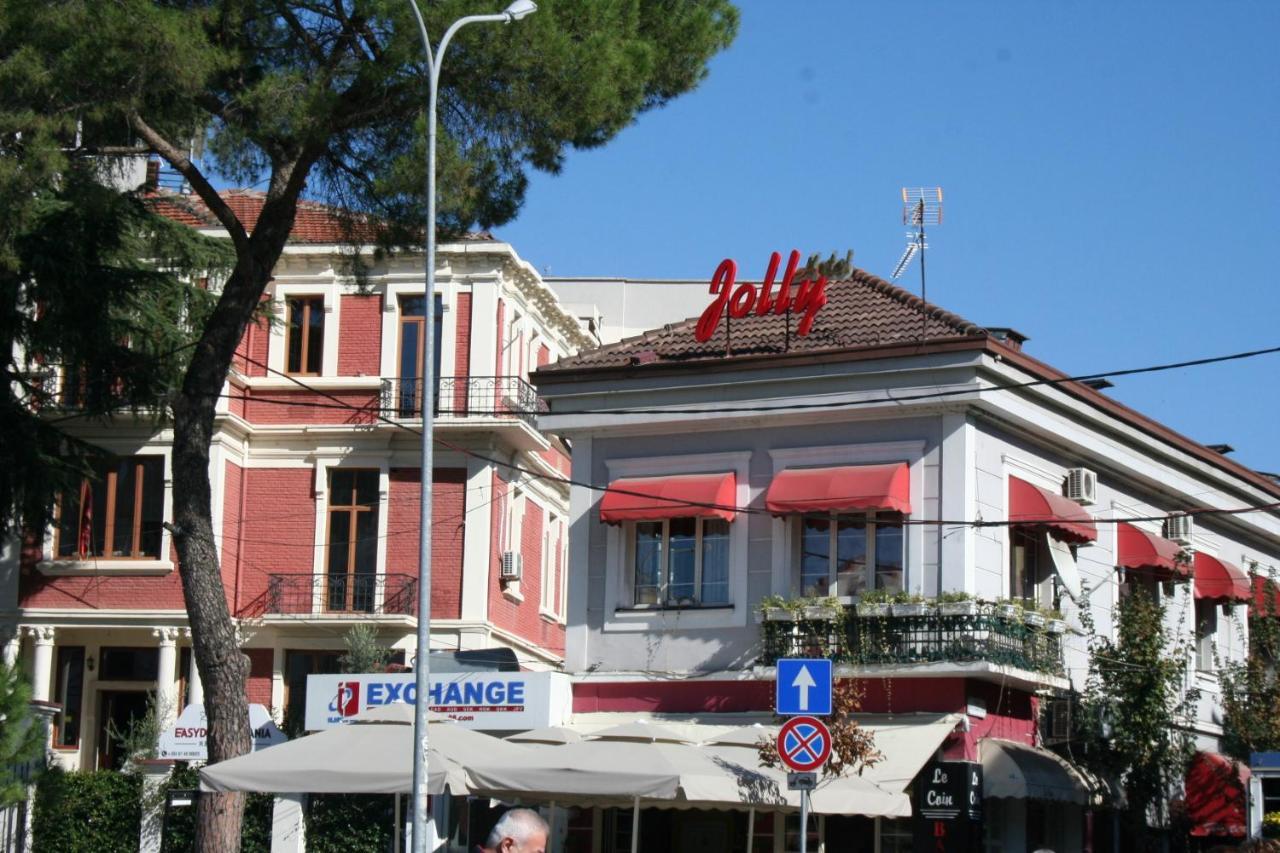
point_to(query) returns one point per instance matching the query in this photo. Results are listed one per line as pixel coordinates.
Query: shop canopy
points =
(1216, 796)
(373, 754)
(1018, 771)
(1064, 518)
(1266, 602)
(1142, 551)
(884, 487)
(681, 496)
(1218, 580)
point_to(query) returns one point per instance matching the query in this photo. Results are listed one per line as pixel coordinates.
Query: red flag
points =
(85, 532)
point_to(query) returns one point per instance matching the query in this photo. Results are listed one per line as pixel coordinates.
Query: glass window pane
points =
(339, 540)
(152, 507)
(851, 555)
(315, 336)
(367, 542)
(413, 306)
(69, 693)
(297, 310)
(126, 493)
(815, 556)
(367, 488)
(342, 487)
(410, 361)
(888, 556)
(648, 562)
(715, 561)
(69, 524)
(96, 518)
(683, 558)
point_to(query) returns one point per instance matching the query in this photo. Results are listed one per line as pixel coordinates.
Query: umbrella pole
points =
(551, 827)
(751, 827)
(399, 828)
(635, 827)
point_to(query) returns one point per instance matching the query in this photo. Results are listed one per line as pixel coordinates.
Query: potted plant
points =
(875, 603)
(1033, 619)
(957, 603)
(1054, 621)
(1006, 609)
(773, 608)
(909, 604)
(819, 608)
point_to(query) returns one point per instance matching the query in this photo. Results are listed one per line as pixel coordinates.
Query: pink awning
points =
(1217, 796)
(1266, 598)
(1065, 519)
(1218, 580)
(681, 496)
(849, 487)
(1143, 551)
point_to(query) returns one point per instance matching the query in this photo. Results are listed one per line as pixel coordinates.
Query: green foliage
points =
(350, 823)
(1251, 688)
(21, 738)
(140, 738)
(1136, 707)
(180, 825)
(96, 812)
(365, 652)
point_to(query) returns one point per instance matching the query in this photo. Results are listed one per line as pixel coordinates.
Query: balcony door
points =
(413, 342)
(352, 562)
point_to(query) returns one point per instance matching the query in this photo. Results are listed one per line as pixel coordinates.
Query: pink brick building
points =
(315, 475)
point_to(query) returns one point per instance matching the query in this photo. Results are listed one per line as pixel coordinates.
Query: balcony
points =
(929, 635)
(310, 596)
(504, 397)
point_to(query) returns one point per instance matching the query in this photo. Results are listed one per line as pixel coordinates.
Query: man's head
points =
(518, 831)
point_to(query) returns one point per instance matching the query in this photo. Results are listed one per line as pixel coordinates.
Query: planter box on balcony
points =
(913, 609)
(778, 614)
(1056, 626)
(874, 610)
(822, 613)
(958, 608)
(1034, 620)
(1009, 611)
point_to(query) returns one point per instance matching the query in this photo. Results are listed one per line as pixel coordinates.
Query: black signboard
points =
(948, 807)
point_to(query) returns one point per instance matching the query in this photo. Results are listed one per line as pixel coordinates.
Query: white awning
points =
(1021, 772)
(1064, 564)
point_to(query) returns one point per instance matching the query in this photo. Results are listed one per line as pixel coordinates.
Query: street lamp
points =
(422, 666)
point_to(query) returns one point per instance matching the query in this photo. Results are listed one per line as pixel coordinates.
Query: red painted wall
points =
(159, 592)
(448, 513)
(523, 617)
(230, 554)
(304, 407)
(260, 668)
(360, 335)
(277, 532)
(254, 345)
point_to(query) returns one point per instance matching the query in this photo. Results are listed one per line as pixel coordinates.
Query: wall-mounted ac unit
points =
(1082, 486)
(1179, 528)
(512, 565)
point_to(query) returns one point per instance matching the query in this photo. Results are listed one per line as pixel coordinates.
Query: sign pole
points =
(804, 822)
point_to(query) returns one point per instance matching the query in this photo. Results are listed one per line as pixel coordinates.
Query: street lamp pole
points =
(422, 666)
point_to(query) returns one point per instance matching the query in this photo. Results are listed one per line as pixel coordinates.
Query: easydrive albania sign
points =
(745, 298)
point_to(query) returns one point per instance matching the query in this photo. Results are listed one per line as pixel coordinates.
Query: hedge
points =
(96, 812)
(180, 823)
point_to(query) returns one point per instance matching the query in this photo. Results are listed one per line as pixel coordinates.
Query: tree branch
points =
(180, 161)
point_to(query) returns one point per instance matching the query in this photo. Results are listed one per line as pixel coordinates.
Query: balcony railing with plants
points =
(304, 595)
(901, 629)
(464, 397)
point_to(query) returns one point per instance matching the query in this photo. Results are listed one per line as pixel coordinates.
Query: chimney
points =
(1010, 337)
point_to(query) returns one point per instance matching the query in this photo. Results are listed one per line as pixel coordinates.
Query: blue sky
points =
(1110, 172)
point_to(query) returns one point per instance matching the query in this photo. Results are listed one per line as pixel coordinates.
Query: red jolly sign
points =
(809, 298)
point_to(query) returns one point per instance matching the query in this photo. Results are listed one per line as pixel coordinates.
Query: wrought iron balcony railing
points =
(848, 637)
(336, 595)
(463, 397)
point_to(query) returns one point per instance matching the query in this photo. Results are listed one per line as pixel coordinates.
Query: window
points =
(1030, 567)
(680, 562)
(304, 340)
(69, 693)
(122, 663)
(297, 666)
(413, 342)
(1206, 632)
(846, 555)
(547, 579)
(118, 515)
(352, 561)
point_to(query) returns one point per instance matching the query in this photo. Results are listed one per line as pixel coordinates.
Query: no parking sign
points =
(804, 743)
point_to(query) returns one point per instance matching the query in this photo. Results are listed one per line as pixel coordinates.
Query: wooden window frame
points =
(59, 696)
(111, 480)
(311, 303)
(353, 510)
(664, 569)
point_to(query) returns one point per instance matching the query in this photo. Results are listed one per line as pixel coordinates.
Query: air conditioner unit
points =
(1179, 528)
(1082, 486)
(512, 565)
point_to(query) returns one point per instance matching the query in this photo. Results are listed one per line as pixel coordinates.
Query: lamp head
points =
(520, 9)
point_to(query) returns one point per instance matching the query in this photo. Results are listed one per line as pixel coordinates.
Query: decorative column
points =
(12, 644)
(41, 662)
(195, 687)
(166, 681)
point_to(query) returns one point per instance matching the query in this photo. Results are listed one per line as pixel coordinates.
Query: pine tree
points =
(21, 737)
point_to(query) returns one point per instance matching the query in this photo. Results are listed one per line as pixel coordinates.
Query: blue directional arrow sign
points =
(804, 687)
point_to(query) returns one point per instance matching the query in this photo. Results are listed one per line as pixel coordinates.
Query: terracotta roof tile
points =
(861, 311)
(315, 222)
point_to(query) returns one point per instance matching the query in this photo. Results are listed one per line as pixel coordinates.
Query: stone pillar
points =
(288, 829)
(155, 772)
(195, 687)
(12, 644)
(41, 661)
(166, 681)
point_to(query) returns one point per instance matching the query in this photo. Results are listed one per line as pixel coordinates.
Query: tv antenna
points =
(921, 206)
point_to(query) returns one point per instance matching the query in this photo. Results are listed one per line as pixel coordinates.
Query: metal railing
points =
(930, 638)
(463, 397)
(335, 595)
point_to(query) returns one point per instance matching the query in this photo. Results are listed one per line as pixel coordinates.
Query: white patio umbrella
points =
(553, 735)
(373, 754)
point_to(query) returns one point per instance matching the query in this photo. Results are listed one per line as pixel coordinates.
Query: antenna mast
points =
(921, 206)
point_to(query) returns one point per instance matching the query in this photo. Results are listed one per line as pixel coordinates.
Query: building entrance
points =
(117, 710)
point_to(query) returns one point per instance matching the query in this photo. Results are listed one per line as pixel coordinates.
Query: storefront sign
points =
(496, 701)
(948, 806)
(185, 739)
(746, 298)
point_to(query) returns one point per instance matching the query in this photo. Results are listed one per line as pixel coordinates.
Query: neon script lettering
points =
(809, 298)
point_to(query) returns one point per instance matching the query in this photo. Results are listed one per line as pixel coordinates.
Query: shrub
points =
(350, 823)
(180, 825)
(97, 812)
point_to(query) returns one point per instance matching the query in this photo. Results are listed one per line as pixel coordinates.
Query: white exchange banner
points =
(494, 701)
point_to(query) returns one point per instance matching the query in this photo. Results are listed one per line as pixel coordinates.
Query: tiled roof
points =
(315, 222)
(861, 311)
